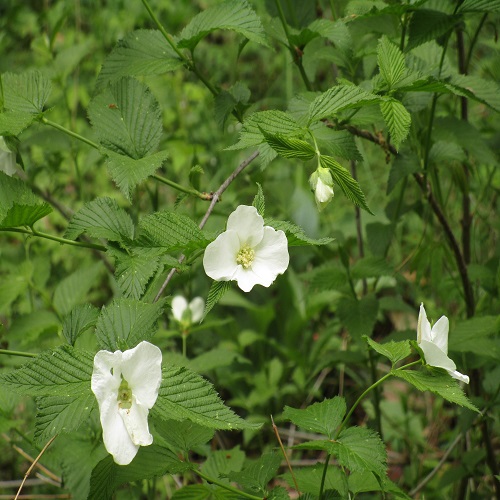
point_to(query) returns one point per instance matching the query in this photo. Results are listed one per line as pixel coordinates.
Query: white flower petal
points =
(459, 376)
(103, 382)
(136, 423)
(439, 333)
(141, 368)
(219, 259)
(197, 306)
(271, 255)
(248, 224)
(323, 193)
(247, 279)
(434, 356)
(423, 326)
(179, 305)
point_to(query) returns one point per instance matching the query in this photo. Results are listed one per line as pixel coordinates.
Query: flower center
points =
(245, 257)
(124, 396)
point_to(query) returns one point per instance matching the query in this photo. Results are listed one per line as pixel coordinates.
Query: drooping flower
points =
(434, 343)
(126, 386)
(247, 252)
(321, 183)
(185, 313)
(7, 158)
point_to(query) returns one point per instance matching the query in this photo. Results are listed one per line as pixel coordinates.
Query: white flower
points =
(126, 386)
(434, 343)
(7, 158)
(321, 183)
(187, 313)
(247, 252)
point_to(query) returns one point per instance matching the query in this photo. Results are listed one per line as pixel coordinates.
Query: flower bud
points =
(321, 183)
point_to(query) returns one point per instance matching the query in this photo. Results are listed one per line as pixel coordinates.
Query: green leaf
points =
(221, 462)
(227, 101)
(149, 462)
(140, 53)
(185, 435)
(56, 414)
(323, 417)
(234, 15)
(391, 61)
(477, 335)
(398, 120)
(101, 218)
(186, 395)
(337, 99)
(126, 322)
(295, 234)
(437, 381)
(14, 122)
(128, 172)
(127, 119)
(309, 481)
(395, 351)
(73, 289)
(170, 231)
(203, 492)
(259, 201)
(427, 24)
(371, 267)
(217, 290)
(479, 6)
(358, 316)
(347, 183)
(257, 474)
(479, 89)
(80, 318)
(25, 92)
(63, 372)
(18, 205)
(290, 147)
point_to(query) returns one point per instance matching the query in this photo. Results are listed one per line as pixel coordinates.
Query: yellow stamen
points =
(245, 257)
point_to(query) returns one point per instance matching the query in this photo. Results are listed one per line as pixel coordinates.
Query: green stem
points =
(33, 232)
(184, 343)
(195, 192)
(226, 486)
(69, 132)
(18, 353)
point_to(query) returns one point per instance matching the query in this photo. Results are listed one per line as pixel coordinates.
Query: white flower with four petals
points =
(126, 386)
(247, 252)
(434, 343)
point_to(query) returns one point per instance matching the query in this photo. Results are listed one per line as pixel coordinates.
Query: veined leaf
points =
(217, 290)
(126, 322)
(309, 480)
(438, 382)
(234, 15)
(395, 351)
(295, 234)
(344, 179)
(186, 395)
(14, 122)
(337, 32)
(101, 218)
(149, 462)
(337, 99)
(80, 318)
(25, 92)
(18, 205)
(183, 435)
(427, 24)
(398, 120)
(290, 147)
(391, 61)
(479, 6)
(259, 201)
(323, 417)
(142, 52)
(484, 91)
(257, 474)
(127, 119)
(63, 372)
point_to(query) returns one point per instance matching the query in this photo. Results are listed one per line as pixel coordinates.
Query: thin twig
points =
(215, 198)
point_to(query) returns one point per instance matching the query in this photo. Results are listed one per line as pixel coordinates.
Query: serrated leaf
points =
(337, 99)
(427, 24)
(336, 142)
(217, 290)
(170, 231)
(227, 101)
(149, 462)
(397, 119)
(438, 382)
(62, 372)
(391, 61)
(295, 234)
(220, 462)
(80, 318)
(234, 15)
(140, 53)
(186, 395)
(337, 32)
(479, 6)
(347, 183)
(256, 475)
(323, 417)
(14, 122)
(184, 435)
(358, 316)
(126, 118)
(101, 218)
(290, 147)
(126, 322)
(259, 201)
(395, 351)
(18, 205)
(56, 414)
(309, 480)
(442, 151)
(128, 172)
(479, 89)
(73, 289)
(477, 335)
(25, 92)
